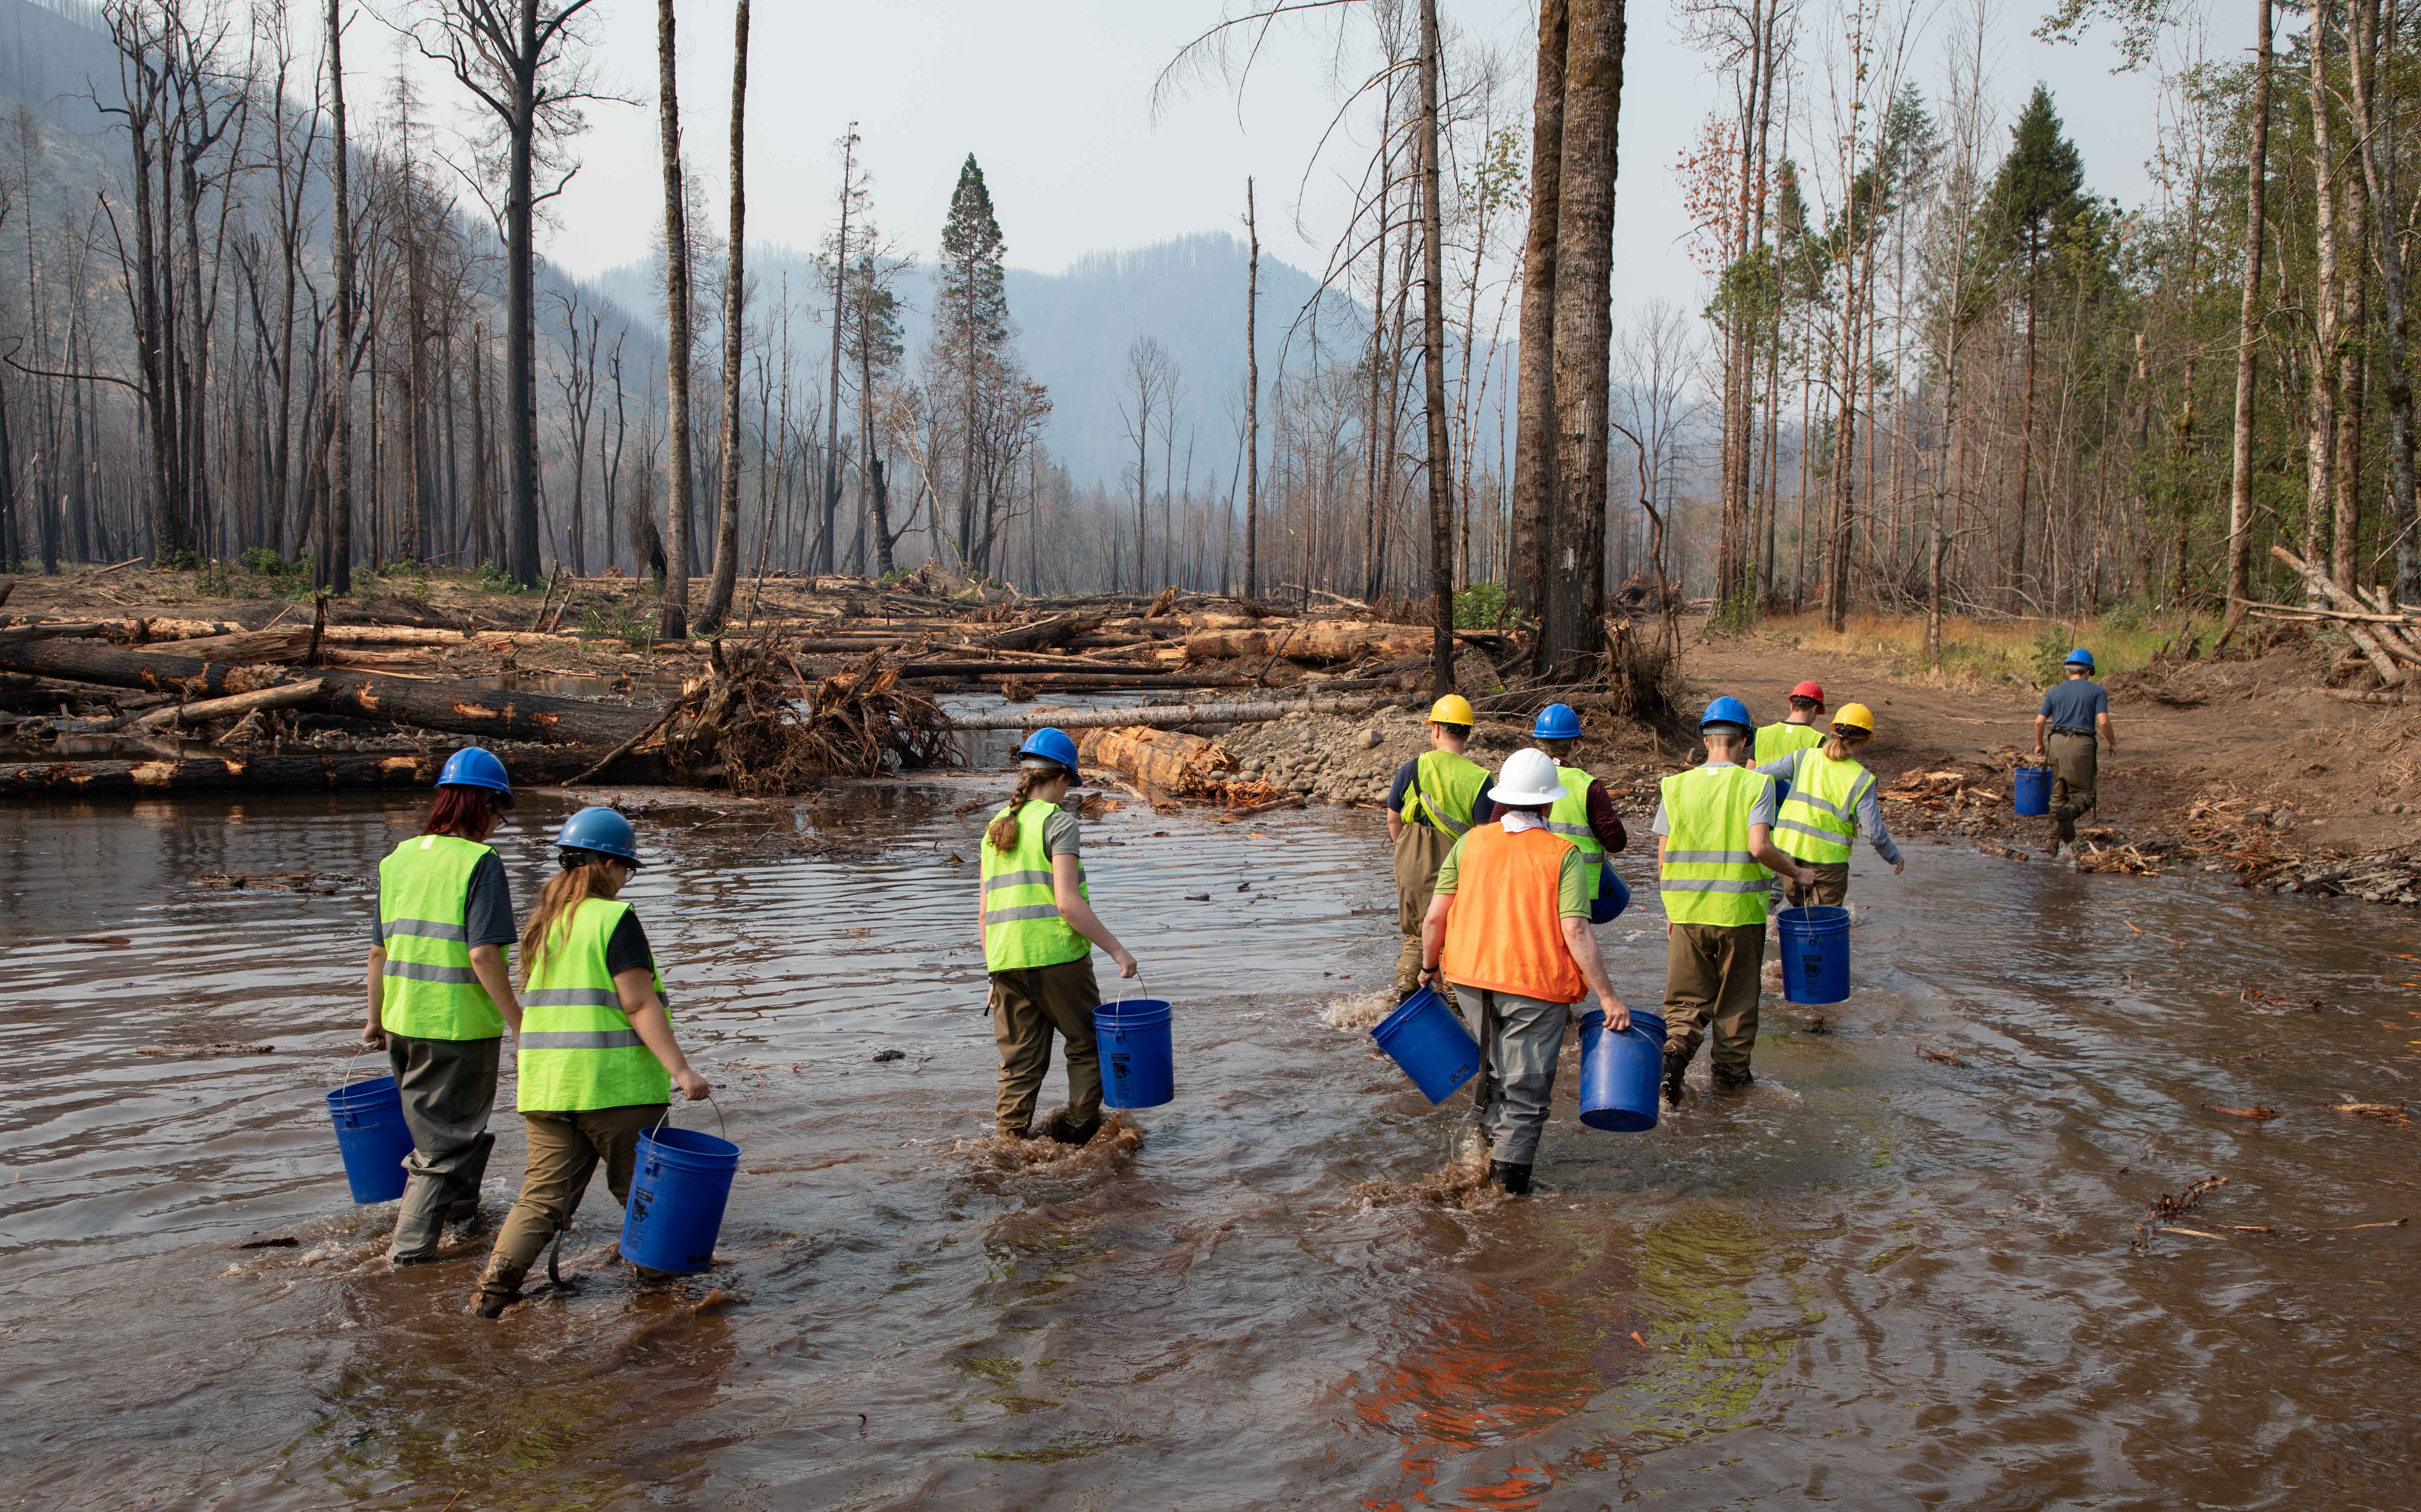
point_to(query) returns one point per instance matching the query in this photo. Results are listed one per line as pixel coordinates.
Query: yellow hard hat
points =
(1857, 717)
(1454, 708)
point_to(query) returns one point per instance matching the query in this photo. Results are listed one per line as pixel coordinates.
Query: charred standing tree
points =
(513, 56)
(1570, 638)
(1534, 446)
(1252, 405)
(1441, 470)
(735, 332)
(673, 619)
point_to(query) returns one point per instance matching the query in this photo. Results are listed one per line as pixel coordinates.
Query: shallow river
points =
(1877, 1280)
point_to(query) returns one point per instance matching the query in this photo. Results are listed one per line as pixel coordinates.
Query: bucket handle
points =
(1121, 998)
(723, 1130)
(353, 1063)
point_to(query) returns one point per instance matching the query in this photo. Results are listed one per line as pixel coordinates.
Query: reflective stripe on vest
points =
(1505, 929)
(1569, 819)
(1819, 820)
(430, 990)
(1709, 875)
(1021, 925)
(1446, 788)
(1775, 741)
(578, 1050)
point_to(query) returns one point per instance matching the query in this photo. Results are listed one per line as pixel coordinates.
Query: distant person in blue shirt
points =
(2074, 712)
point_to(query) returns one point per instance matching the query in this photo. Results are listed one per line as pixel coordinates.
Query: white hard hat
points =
(1529, 777)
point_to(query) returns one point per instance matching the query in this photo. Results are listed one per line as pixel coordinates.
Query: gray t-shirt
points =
(1761, 812)
(2071, 705)
(1059, 834)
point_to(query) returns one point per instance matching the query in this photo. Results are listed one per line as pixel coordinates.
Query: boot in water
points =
(1673, 1068)
(1515, 1179)
(1727, 1080)
(1062, 1132)
(498, 1290)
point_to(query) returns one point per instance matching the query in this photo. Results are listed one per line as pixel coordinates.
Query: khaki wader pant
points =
(1027, 1005)
(1420, 850)
(449, 1088)
(2074, 762)
(564, 1149)
(1831, 886)
(1711, 977)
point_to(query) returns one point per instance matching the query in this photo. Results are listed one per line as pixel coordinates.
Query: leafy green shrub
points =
(179, 562)
(494, 577)
(1482, 606)
(2050, 657)
(626, 621)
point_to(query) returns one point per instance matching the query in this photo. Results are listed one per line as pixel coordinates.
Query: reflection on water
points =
(1874, 1279)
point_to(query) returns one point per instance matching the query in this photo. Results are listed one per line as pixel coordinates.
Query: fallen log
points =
(1165, 762)
(50, 631)
(423, 703)
(1318, 641)
(284, 695)
(1167, 717)
(251, 645)
(2367, 641)
(257, 774)
(1057, 631)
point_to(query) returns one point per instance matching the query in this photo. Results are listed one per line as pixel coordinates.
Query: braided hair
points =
(1002, 835)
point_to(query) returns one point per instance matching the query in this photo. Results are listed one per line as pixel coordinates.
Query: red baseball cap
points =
(1810, 690)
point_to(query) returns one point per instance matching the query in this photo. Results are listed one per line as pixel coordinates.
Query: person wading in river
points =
(599, 1060)
(597, 1057)
(2072, 712)
(1429, 807)
(1830, 802)
(1038, 932)
(1716, 829)
(440, 996)
(1510, 925)
(1584, 815)
(1798, 731)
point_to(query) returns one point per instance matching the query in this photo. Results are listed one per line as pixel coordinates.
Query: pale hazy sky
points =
(1053, 97)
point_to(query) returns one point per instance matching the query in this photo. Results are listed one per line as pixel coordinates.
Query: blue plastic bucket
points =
(1815, 953)
(372, 1136)
(2032, 785)
(678, 1185)
(1138, 1067)
(1427, 1039)
(1619, 1072)
(1612, 896)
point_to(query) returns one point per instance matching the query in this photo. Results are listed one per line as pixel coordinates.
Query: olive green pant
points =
(1710, 979)
(564, 1149)
(448, 1087)
(1831, 886)
(1420, 850)
(2075, 760)
(1027, 1005)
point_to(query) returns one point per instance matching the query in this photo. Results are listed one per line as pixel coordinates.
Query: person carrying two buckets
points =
(1828, 802)
(1510, 925)
(598, 1058)
(1715, 846)
(1430, 806)
(1036, 913)
(1797, 731)
(439, 995)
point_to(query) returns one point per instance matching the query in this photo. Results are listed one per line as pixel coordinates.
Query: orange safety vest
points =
(1506, 932)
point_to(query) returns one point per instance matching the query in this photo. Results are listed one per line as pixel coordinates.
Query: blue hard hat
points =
(2080, 657)
(603, 831)
(1051, 745)
(1727, 710)
(471, 767)
(1557, 721)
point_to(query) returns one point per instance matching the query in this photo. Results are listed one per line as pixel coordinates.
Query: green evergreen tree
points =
(2035, 200)
(974, 318)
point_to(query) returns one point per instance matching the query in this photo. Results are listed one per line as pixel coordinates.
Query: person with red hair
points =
(439, 995)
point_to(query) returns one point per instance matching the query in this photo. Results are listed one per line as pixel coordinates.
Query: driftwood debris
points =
(2383, 646)
(1166, 717)
(207, 710)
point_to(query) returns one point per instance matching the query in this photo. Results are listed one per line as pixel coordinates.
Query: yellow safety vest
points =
(578, 1050)
(1022, 924)
(430, 990)
(1775, 741)
(1569, 819)
(1708, 875)
(1446, 787)
(1818, 820)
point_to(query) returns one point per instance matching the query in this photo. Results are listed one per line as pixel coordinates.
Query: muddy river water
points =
(1877, 1280)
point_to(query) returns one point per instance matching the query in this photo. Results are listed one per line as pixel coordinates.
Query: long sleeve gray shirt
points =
(1867, 808)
